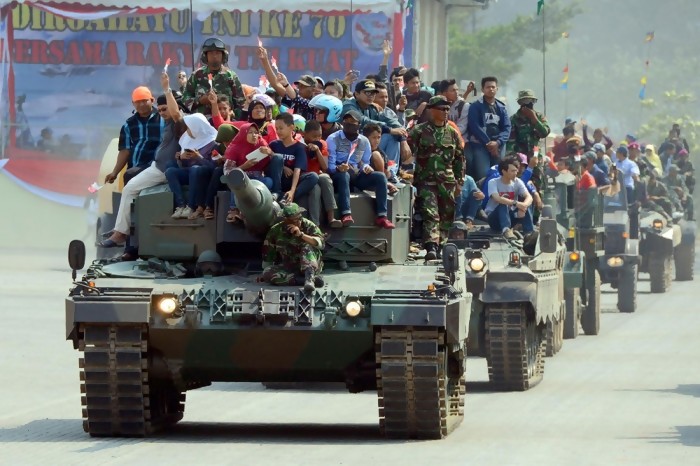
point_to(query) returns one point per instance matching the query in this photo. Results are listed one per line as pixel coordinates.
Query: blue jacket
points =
(371, 115)
(476, 123)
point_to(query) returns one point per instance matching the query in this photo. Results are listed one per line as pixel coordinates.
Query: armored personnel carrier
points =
(580, 218)
(190, 312)
(517, 289)
(658, 238)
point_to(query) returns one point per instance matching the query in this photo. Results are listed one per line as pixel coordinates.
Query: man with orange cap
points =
(139, 137)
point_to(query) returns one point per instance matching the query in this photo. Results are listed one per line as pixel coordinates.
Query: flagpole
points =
(566, 91)
(194, 63)
(544, 66)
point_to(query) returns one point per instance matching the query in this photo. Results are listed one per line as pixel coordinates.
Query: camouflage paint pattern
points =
(224, 81)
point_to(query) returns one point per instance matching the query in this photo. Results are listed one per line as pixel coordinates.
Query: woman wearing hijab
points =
(246, 141)
(654, 159)
(260, 112)
(195, 166)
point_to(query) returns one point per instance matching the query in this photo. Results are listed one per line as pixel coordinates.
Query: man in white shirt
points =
(629, 170)
(504, 209)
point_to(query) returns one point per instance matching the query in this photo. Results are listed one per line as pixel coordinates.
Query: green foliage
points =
(496, 51)
(673, 107)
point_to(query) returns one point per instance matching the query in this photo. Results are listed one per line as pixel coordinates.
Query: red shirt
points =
(313, 165)
(587, 181)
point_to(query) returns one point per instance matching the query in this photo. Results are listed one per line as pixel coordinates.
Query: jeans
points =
(391, 146)
(197, 177)
(479, 160)
(503, 217)
(215, 185)
(322, 194)
(375, 181)
(306, 183)
(274, 172)
(467, 206)
(266, 180)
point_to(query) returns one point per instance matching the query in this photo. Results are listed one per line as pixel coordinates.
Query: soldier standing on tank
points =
(223, 82)
(527, 126)
(292, 248)
(439, 173)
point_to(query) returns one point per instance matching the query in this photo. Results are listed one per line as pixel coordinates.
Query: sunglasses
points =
(370, 93)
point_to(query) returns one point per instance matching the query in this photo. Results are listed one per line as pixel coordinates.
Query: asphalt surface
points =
(628, 396)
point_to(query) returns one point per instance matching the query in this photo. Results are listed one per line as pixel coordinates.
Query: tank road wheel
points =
(659, 273)
(514, 348)
(555, 337)
(627, 290)
(572, 297)
(590, 318)
(684, 257)
(118, 399)
(418, 398)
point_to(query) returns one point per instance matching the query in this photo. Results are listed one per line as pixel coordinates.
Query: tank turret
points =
(254, 201)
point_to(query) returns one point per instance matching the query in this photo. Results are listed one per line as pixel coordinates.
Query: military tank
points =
(190, 312)
(517, 288)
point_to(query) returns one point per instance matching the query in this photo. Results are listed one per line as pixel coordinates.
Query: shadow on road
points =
(688, 436)
(70, 430)
(685, 389)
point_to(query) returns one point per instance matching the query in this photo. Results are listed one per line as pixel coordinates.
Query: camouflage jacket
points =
(658, 189)
(524, 135)
(225, 82)
(438, 153)
(282, 248)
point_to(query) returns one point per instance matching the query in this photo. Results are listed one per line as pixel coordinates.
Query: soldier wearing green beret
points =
(439, 173)
(292, 250)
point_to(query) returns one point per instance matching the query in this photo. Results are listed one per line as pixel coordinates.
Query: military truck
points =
(658, 238)
(190, 312)
(579, 215)
(517, 289)
(619, 265)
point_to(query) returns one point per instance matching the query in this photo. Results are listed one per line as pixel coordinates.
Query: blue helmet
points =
(333, 104)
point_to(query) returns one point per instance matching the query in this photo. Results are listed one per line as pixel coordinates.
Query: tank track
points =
(417, 396)
(117, 396)
(515, 348)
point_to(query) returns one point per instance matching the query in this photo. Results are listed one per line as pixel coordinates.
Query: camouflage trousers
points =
(290, 267)
(437, 207)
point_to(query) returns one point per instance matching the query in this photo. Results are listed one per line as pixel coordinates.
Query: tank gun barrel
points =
(254, 201)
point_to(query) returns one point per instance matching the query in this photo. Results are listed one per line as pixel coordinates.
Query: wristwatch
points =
(286, 85)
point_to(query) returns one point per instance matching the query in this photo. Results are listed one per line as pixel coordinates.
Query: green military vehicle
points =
(579, 214)
(517, 289)
(190, 312)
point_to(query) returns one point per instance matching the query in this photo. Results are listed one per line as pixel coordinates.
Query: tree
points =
(672, 108)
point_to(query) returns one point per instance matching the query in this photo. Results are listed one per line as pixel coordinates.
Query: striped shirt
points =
(141, 137)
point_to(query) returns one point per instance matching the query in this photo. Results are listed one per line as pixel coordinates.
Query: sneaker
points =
(186, 212)
(199, 213)
(383, 222)
(335, 223)
(178, 212)
(208, 213)
(347, 220)
(508, 234)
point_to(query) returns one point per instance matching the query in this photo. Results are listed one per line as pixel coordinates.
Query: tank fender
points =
(688, 228)
(632, 248)
(509, 291)
(107, 312)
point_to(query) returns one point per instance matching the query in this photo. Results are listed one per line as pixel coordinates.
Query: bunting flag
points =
(540, 5)
(565, 80)
(643, 91)
(649, 37)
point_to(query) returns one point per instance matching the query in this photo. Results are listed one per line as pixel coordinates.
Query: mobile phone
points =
(464, 84)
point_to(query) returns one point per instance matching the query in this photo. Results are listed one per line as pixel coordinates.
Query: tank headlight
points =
(615, 262)
(574, 256)
(658, 224)
(476, 264)
(353, 308)
(167, 305)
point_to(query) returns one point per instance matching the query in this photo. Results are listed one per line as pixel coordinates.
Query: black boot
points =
(318, 281)
(309, 286)
(430, 251)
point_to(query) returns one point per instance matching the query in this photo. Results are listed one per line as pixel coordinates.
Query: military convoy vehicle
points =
(658, 238)
(190, 312)
(579, 214)
(517, 289)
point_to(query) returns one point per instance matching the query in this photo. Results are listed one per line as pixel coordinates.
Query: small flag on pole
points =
(540, 5)
(643, 81)
(649, 37)
(565, 35)
(642, 93)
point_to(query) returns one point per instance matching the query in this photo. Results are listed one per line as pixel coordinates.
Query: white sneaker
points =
(508, 234)
(186, 212)
(178, 212)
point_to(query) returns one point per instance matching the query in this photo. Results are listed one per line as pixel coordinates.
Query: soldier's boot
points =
(430, 251)
(309, 285)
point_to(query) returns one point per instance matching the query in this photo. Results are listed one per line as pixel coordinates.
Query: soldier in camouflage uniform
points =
(292, 249)
(527, 126)
(439, 173)
(224, 81)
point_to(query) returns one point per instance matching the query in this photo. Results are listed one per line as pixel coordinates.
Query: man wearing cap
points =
(439, 173)
(349, 156)
(154, 174)
(489, 130)
(139, 136)
(658, 198)
(293, 249)
(676, 185)
(527, 126)
(602, 160)
(629, 170)
(224, 81)
(600, 177)
(392, 131)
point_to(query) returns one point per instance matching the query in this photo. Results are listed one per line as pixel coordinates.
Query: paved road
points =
(629, 396)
